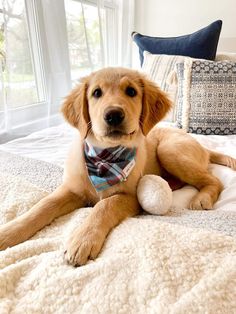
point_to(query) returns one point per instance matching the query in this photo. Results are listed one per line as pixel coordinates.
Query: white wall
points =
(179, 17)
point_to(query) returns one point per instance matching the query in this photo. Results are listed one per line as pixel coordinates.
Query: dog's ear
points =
(75, 108)
(155, 105)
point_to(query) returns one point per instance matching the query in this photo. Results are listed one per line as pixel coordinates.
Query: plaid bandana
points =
(109, 166)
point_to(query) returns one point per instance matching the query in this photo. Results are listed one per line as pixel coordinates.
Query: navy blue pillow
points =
(201, 44)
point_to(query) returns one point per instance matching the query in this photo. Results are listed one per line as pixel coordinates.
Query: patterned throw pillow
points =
(158, 69)
(207, 96)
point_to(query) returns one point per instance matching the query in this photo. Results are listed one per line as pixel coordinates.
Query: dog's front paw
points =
(84, 244)
(8, 237)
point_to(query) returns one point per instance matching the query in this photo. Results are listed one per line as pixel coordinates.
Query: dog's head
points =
(114, 104)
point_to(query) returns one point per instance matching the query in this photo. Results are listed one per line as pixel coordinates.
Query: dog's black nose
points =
(114, 116)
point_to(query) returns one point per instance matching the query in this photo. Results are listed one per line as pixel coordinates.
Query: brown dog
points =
(117, 107)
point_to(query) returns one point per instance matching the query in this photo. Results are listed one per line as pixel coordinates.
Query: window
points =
(88, 27)
(84, 40)
(20, 88)
(45, 47)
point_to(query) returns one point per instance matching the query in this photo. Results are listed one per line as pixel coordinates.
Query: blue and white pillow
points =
(207, 96)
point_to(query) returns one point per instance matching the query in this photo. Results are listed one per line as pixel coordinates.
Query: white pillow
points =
(226, 56)
(158, 69)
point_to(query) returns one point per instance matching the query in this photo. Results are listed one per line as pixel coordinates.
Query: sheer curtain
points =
(115, 20)
(117, 41)
(125, 28)
(53, 53)
(58, 71)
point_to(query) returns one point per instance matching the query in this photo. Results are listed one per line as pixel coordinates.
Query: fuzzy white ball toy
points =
(154, 194)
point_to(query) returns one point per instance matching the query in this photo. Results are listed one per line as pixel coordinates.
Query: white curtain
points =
(59, 80)
(118, 41)
(2, 101)
(115, 39)
(125, 28)
(3, 63)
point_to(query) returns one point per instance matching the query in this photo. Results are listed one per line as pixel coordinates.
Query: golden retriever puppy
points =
(115, 111)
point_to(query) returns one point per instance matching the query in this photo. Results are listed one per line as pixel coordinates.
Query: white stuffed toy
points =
(154, 194)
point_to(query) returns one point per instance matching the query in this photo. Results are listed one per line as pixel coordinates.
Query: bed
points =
(184, 262)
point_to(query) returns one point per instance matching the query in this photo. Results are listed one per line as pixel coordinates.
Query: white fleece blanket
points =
(181, 263)
(146, 266)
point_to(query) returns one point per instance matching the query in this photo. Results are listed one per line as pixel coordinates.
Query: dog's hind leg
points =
(209, 190)
(190, 163)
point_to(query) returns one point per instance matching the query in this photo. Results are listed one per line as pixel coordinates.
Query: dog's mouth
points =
(117, 134)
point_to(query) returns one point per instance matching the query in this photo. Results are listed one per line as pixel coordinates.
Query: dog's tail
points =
(221, 159)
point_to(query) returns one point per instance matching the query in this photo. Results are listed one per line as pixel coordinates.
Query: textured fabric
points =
(207, 97)
(146, 266)
(39, 173)
(201, 44)
(158, 68)
(107, 167)
(149, 264)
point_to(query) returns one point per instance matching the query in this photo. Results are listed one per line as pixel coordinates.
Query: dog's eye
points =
(130, 91)
(97, 93)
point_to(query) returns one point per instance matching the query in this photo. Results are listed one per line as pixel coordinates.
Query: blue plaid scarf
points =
(109, 166)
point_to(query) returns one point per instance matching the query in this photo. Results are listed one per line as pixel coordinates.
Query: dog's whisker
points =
(90, 131)
(89, 128)
(141, 123)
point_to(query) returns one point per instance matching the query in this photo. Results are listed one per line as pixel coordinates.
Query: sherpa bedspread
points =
(182, 263)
